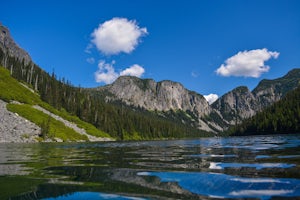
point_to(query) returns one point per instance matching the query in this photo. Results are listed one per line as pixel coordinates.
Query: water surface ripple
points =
(260, 167)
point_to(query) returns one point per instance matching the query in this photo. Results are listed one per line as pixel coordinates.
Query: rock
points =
(236, 105)
(14, 128)
(57, 140)
(241, 103)
(230, 109)
(71, 125)
(8, 45)
(161, 96)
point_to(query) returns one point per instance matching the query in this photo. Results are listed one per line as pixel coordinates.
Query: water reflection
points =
(239, 167)
(225, 186)
(93, 196)
(214, 165)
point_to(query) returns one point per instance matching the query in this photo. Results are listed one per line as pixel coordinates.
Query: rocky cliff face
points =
(158, 96)
(8, 45)
(269, 91)
(161, 96)
(236, 105)
(241, 103)
(230, 109)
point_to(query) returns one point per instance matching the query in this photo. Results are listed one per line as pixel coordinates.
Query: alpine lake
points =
(256, 167)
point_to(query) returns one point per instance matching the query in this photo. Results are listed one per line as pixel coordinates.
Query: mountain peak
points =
(280, 85)
(151, 95)
(8, 45)
(293, 73)
(241, 89)
(240, 103)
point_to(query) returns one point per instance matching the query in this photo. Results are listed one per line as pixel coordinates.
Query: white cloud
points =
(117, 35)
(134, 70)
(90, 60)
(211, 98)
(247, 63)
(106, 72)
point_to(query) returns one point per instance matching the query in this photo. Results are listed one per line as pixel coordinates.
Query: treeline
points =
(114, 118)
(282, 117)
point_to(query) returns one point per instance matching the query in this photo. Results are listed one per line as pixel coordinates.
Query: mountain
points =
(131, 108)
(235, 105)
(161, 96)
(241, 103)
(283, 117)
(87, 108)
(25, 114)
(26, 118)
(10, 48)
(230, 109)
(269, 91)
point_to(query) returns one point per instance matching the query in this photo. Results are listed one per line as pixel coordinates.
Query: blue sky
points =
(208, 46)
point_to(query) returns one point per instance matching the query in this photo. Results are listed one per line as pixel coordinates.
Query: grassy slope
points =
(55, 128)
(12, 90)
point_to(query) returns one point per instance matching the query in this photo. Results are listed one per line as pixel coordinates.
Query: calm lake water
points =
(264, 167)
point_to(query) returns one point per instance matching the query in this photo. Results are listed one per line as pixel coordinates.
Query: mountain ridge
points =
(9, 46)
(233, 107)
(282, 117)
(156, 91)
(132, 108)
(118, 120)
(237, 105)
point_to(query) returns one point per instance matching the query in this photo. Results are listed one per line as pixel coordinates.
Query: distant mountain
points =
(161, 96)
(283, 117)
(269, 91)
(158, 96)
(241, 103)
(230, 109)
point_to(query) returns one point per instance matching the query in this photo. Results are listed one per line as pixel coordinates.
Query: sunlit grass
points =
(56, 129)
(12, 90)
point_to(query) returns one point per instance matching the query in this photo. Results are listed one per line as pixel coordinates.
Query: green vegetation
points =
(12, 90)
(50, 126)
(89, 128)
(281, 118)
(76, 104)
(281, 85)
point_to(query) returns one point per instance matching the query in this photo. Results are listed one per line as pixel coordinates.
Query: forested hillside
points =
(116, 119)
(132, 108)
(282, 117)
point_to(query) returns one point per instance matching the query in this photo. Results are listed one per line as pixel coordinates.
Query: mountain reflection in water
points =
(263, 167)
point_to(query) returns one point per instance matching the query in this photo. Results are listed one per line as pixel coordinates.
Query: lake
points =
(258, 167)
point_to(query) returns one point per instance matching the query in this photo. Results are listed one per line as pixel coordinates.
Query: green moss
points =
(55, 127)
